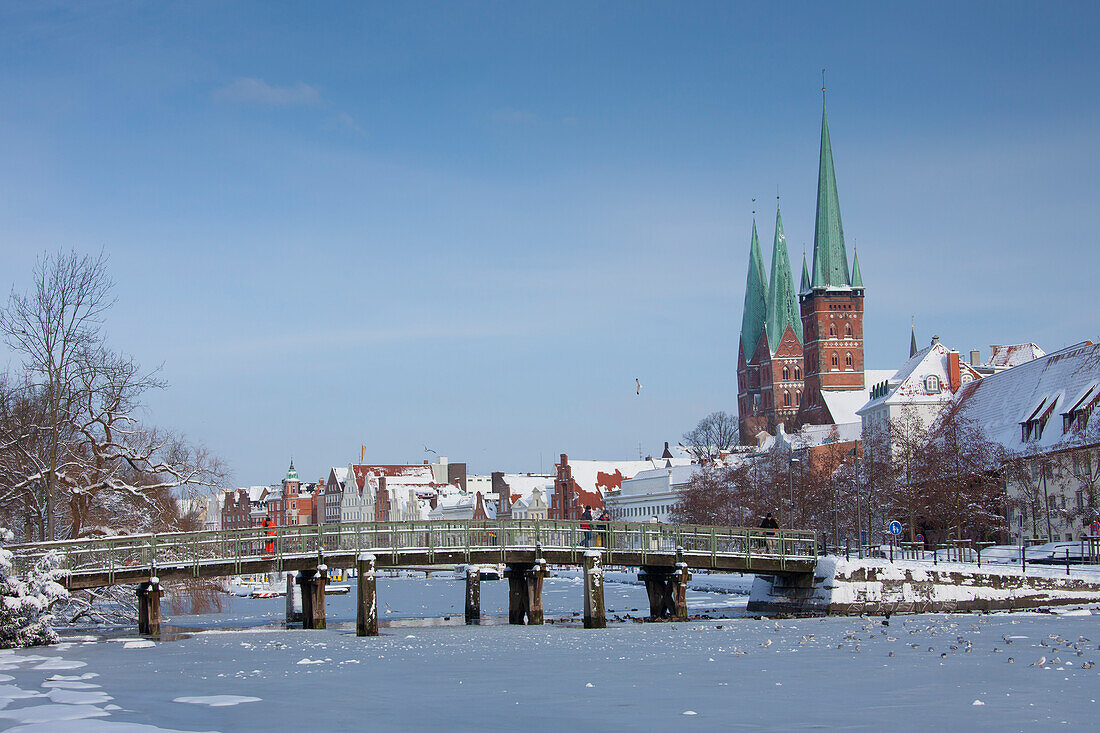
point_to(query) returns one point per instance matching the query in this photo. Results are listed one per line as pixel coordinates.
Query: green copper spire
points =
(857, 276)
(912, 342)
(805, 286)
(756, 286)
(291, 474)
(782, 304)
(830, 256)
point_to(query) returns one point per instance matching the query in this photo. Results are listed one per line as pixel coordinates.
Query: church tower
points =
(769, 369)
(831, 302)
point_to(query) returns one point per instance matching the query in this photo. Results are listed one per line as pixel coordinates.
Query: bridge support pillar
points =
(293, 600)
(473, 595)
(667, 590)
(313, 597)
(679, 591)
(366, 614)
(595, 613)
(149, 607)
(525, 593)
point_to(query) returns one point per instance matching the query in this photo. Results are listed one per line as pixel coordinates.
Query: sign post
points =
(895, 530)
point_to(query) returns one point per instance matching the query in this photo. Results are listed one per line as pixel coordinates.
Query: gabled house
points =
(921, 388)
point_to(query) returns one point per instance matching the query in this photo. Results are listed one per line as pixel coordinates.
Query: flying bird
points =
(429, 450)
(637, 386)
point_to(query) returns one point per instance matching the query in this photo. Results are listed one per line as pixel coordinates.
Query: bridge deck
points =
(102, 562)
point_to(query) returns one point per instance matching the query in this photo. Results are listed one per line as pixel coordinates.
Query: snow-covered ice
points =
(914, 673)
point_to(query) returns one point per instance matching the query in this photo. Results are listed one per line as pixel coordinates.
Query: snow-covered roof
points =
(339, 474)
(603, 476)
(521, 485)
(1011, 355)
(1050, 385)
(410, 473)
(677, 475)
(909, 384)
(843, 404)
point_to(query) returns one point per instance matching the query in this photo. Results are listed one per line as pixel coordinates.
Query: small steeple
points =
(913, 342)
(291, 474)
(782, 305)
(756, 288)
(857, 276)
(805, 286)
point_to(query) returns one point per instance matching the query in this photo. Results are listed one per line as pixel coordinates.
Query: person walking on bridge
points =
(269, 546)
(768, 524)
(601, 529)
(586, 525)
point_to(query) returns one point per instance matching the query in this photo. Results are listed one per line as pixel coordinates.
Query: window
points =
(932, 383)
(797, 397)
(848, 330)
(797, 373)
(786, 373)
(835, 360)
(848, 360)
(786, 398)
(832, 331)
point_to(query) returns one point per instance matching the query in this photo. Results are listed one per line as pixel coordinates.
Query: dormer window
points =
(932, 384)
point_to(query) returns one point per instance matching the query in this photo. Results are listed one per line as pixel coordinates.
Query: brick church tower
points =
(769, 364)
(831, 304)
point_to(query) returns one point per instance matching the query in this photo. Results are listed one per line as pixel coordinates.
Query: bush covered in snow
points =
(25, 602)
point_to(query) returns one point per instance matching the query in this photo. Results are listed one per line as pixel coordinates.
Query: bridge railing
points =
(115, 554)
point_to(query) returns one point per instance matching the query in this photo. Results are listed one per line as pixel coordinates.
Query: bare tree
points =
(715, 433)
(909, 437)
(49, 327)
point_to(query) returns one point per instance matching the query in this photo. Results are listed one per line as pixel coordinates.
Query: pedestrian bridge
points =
(665, 554)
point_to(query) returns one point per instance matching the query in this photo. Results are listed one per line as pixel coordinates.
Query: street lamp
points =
(790, 484)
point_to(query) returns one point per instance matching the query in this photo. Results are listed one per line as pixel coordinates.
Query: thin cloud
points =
(512, 116)
(344, 121)
(248, 90)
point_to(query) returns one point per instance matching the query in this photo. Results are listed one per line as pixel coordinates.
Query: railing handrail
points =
(421, 523)
(115, 554)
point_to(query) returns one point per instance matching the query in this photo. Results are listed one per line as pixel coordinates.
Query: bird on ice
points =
(637, 386)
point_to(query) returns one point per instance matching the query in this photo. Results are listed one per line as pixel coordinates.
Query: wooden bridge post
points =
(657, 586)
(313, 597)
(293, 600)
(595, 613)
(473, 594)
(149, 607)
(534, 593)
(679, 591)
(518, 579)
(366, 615)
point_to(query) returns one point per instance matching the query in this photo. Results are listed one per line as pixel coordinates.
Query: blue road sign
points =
(895, 528)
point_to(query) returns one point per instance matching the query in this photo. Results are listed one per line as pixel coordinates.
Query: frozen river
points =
(244, 673)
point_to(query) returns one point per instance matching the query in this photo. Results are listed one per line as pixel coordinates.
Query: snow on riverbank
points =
(878, 586)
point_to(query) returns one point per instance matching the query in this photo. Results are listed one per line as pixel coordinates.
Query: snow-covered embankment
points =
(842, 587)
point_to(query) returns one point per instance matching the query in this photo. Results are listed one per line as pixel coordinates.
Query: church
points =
(800, 360)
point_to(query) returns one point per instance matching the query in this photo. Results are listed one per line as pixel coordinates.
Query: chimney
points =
(975, 357)
(935, 340)
(443, 460)
(953, 378)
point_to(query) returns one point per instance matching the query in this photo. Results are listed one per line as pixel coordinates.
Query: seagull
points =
(429, 450)
(637, 386)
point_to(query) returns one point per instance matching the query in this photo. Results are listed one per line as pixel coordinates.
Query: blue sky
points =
(471, 226)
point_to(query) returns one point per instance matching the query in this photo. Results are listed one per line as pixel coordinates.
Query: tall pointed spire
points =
(756, 286)
(857, 276)
(805, 285)
(830, 256)
(913, 342)
(782, 305)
